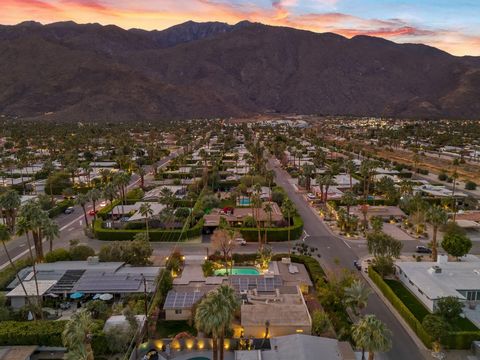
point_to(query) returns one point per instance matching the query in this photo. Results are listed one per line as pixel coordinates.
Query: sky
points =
(451, 25)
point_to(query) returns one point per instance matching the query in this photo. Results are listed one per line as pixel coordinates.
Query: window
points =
(178, 311)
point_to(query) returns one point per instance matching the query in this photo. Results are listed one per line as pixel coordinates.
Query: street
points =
(337, 254)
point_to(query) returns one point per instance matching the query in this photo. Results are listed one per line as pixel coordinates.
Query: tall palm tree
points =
(146, 211)
(229, 299)
(288, 211)
(454, 200)
(50, 231)
(36, 218)
(210, 318)
(4, 237)
(367, 170)
(436, 217)
(94, 195)
(77, 336)
(82, 200)
(351, 169)
(371, 335)
(9, 205)
(23, 229)
(356, 296)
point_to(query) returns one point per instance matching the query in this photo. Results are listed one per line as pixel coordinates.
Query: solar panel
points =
(178, 300)
(261, 283)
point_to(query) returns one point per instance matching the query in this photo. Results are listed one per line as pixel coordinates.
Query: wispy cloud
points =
(315, 15)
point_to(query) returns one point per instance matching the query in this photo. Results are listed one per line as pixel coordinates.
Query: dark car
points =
(69, 210)
(423, 250)
(357, 265)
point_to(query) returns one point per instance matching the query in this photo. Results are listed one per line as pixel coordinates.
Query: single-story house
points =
(385, 212)
(179, 303)
(431, 281)
(18, 298)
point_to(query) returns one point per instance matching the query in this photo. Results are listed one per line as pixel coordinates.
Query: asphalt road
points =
(337, 254)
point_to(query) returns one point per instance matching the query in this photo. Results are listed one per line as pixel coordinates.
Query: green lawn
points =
(168, 329)
(420, 311)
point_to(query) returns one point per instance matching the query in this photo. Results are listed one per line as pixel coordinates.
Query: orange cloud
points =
(161, 14)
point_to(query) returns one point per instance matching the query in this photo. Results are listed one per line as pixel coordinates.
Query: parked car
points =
(92, 212)
(69, 210)
(311, 196)
(240, 241)
(423, 250)
(357, 265)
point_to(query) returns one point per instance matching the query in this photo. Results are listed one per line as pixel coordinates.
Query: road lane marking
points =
(347, 244)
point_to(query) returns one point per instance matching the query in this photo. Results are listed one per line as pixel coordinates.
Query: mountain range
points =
(90, 72)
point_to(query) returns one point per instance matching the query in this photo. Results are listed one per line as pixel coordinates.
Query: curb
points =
(423, 349)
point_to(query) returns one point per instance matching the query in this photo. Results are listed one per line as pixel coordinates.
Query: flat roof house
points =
(431, 281)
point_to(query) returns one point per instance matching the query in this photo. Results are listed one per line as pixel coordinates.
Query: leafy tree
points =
(81, 252)
(210, 202)
(449, 308)
(320, 322)
(456, 244)
(98, 309)
(377, 223)
(436, 327)
(384, 248)
(371, 335)
(59, 254)
(57, 182)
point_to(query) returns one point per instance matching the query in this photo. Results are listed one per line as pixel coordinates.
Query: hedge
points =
(7, 275)
(46, 333)
(407, 315)
(155, 235)
(274, 234)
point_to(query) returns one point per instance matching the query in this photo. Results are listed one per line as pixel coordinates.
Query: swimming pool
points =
(237, 271)
(244, 202)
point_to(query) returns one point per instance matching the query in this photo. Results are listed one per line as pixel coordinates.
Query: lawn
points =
(168, 329)
(420, 311)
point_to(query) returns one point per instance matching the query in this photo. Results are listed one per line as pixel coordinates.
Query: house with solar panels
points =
(82, 279)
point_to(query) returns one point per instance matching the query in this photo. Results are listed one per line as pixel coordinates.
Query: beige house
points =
(282, 312)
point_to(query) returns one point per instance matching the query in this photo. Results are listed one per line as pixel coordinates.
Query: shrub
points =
(81, 252)
(470, 185)
(58, 255)
(275, 234)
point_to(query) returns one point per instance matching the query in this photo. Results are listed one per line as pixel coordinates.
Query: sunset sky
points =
(452, 25)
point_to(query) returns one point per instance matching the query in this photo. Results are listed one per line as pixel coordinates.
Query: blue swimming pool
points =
(237, 271)
(244, 202)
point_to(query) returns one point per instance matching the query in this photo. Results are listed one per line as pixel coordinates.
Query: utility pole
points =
(146, 304)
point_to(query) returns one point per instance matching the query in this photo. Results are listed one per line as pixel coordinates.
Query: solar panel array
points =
(261, 283)
(182, 300)
(108, 283)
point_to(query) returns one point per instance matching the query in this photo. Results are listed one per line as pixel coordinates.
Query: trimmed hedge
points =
(407, 315)
(46, 333)
(458, 340)
(155, 235)
(274, 234)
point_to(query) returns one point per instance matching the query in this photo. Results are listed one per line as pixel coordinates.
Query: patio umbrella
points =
(97, 296)
(106, 297)
(52, 295)
(76, 295)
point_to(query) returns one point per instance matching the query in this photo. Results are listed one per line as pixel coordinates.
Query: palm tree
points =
(82, 200)
(268, 209)
(351, 169)
(454, 200)
(366, 171)
(211, 316)
(77, 336)
(4, 237)
(140, 170)
(349, 199)
(288, 211)
(357, 296)
(50, 230)
(372, 335)
(9, 204)
(167, 197)
(146, 211)
(36, 219)
(328, 180)
(227, 293)
(436, 217)
(94, 195)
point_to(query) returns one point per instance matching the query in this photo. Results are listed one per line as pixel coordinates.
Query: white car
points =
(240, 241)
(311, 196)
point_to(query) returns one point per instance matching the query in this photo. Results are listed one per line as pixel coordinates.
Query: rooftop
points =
(31, 288)
(454, 276)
